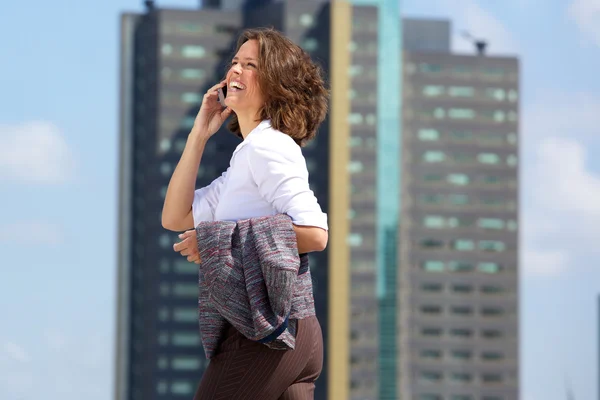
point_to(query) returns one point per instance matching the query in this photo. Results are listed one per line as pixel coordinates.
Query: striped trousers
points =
(247, 370)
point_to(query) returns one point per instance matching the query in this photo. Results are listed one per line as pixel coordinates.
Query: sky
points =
(58, 188)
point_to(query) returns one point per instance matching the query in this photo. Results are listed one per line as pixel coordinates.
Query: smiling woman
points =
(277, 99)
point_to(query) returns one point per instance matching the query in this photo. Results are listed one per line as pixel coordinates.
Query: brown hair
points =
(292, 85)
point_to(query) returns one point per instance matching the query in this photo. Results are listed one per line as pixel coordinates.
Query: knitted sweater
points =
(252, 277)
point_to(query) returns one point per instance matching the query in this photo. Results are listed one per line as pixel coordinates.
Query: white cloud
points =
(35, 152)
(32, 232)
(561, 193)
(15, 352)
(586, 13)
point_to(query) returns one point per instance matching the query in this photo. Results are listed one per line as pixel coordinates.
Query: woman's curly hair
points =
(292, 85)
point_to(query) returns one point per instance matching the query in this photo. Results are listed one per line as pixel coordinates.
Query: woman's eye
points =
(251, 65)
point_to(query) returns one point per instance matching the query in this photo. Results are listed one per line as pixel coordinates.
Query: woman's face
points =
(243, 91)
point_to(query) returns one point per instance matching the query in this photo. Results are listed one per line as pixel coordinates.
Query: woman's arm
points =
(177, 209)
(311, 238)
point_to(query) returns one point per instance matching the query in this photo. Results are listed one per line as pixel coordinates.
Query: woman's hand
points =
(211, 115)
(188, 246)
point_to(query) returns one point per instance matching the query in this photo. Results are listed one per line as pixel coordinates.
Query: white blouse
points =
(267, 175)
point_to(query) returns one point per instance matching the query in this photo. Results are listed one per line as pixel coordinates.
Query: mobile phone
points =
(222, 95)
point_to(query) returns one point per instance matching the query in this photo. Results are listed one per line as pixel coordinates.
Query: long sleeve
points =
(206, 200)
(279, 170)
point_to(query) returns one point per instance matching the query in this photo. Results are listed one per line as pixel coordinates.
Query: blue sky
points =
(58, 158)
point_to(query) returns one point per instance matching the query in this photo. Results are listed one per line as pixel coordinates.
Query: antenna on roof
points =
(149, 5)
(480, 44)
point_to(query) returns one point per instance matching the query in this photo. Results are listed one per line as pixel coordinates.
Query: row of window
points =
(430, 396)
(492, 73)
(176, 387)
(181, 363)
(492, 93)
(467, 114)
(195, 29)
(461, 355)
(179, 289)
(462, 136)
(178, 314)
(179, 339)
(441, 222)
(463, 311)
(461, 266)
(461, 199)
(488, 158)
(459, 377)
(184, 74)
(462, 245)
(457, 179)
(180, 266)
(185, 51)
(460, 288)
(461, 333)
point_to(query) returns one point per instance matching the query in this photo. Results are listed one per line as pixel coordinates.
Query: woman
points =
(277, 100)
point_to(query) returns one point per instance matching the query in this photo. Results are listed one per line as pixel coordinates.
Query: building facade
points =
(415, 166)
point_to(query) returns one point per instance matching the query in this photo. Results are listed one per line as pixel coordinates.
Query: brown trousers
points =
(243, 369)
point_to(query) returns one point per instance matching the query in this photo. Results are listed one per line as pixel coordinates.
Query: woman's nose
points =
(236, 69)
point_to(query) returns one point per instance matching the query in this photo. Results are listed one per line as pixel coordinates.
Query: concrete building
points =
(416, 293)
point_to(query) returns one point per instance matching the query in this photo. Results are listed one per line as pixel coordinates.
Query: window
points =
(490, 379)
(461, 355)
(433, 91)
(491, 179)
(429, 396)
(185, 339)
(191, 98)
(431, 199)
(512, 138)
(163, 338)
(430, 377)
(189, 27)
(355, 141)
(431, 310)
(462, 310)
(161, 387)
(461, 333)
(458, 199)
(461, 113)
(354, 239)
(433, 266)
(461, 136)
(166, 168)
(432, 243)
(492, 356)
(461, 377)
(430, 68)
(513, 96)
(490, 223)
(489, 289)
(491, 311)
(458, 179)
(434, 221)
(428, 134)
(461, 91)
(513, 116)
(310, 44)
(431, 354)
(185, 315)
(355, 70)
(462, 288)
(167, 49)
(511, 225)
(188, 122)
(511, 160)
(433, 156)
(164, 240)
(464, 158)
(431, 332)
(190, 51)
(185, 363)
(492, 72)
(489, 267)
(460, 266)
(162, 363)
(182, 387)
(463, 245)
(355, 119)
(432, 178)
(307, 20)
(192, 73)
(355, 167)
(491, 245)
(185, 289)
(432, 287)
(488, 158)
(495, 94)
(491, 334)
(185, 267)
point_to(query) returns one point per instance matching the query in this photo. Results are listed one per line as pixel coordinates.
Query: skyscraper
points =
(417, 292)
